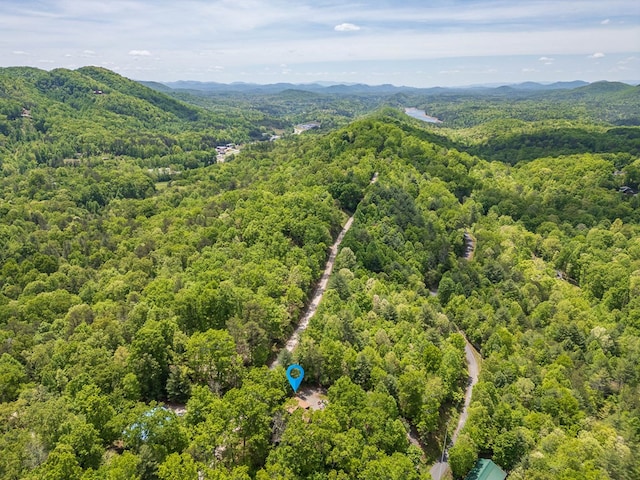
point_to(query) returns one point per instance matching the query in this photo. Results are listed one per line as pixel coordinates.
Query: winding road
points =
(440, 469)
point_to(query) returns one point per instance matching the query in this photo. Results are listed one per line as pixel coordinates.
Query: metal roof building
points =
(486, 470)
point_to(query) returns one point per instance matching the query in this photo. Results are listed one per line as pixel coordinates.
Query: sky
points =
(421, 43)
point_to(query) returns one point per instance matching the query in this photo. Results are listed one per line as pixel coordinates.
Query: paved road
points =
(469, 246)
(439, 470)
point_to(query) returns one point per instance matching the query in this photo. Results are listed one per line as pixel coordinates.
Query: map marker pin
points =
(293, 381)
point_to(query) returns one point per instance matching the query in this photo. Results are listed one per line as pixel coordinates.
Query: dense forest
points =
(144, 287)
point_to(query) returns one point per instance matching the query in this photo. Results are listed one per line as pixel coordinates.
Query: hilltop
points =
(144, 291)
(92, 111)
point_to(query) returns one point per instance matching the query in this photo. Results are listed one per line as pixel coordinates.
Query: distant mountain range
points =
(355, 89)
(213, 87)
(550, 86)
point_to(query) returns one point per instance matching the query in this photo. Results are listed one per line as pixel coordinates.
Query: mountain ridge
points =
(359, 88)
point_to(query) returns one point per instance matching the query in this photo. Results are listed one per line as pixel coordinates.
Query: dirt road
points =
(318, 293)
(440, 468)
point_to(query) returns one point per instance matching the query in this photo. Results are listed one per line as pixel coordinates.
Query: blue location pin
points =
(295, 382)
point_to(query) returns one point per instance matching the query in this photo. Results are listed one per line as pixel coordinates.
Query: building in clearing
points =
(486, 470)
(298, 129)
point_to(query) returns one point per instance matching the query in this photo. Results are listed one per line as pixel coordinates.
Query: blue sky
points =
(417, 43)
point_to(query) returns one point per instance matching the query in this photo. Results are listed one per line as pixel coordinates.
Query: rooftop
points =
(486, 470)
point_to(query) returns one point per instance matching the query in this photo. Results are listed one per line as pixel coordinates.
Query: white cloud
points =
(597, 55)
(346, 27)
(309, 36)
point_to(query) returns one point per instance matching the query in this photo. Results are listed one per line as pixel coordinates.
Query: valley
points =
(386, 255)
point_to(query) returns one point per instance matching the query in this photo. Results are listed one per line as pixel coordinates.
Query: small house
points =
(485, 469)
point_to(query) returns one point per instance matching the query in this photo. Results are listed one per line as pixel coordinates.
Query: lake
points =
(421, 115)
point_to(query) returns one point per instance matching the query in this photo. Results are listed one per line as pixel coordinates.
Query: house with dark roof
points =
(485, 469)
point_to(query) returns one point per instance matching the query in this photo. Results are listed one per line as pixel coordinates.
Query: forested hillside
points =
(144, 288)
(63, 116)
